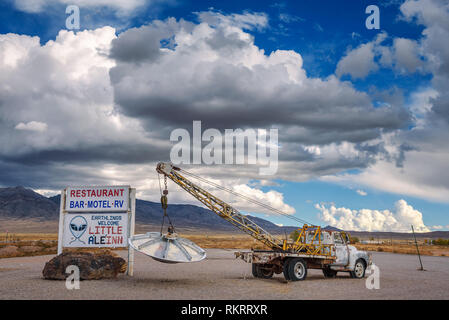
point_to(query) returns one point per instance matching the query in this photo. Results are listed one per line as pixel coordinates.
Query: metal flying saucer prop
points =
(167, 248)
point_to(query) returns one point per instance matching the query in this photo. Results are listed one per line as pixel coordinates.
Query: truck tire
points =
(265, 273)
(255, 270)
(359, 269)
(285, 269)
(259, 272)
(297, 269)
(329, 273)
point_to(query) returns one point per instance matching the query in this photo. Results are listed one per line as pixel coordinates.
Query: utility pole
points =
(417, 249)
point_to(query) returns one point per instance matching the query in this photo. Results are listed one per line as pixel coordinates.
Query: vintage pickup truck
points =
(318, 249)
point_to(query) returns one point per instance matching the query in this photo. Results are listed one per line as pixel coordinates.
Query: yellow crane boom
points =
(309, 240)
(221, 208)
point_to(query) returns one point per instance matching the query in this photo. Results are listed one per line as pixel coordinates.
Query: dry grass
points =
(26, 248)
(28, 226)
(225, 241)
(28, 236)
(46, 243)
(35, 244)
(426, 250)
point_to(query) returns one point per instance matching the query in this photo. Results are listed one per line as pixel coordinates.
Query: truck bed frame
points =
(269, 257)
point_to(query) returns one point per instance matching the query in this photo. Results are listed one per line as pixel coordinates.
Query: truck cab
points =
(348, 257)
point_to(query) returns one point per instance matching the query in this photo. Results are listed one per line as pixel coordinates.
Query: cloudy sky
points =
(362, 115)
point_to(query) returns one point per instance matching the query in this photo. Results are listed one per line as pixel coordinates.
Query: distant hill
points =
(22, 203)
(399, 235)
(19, 202)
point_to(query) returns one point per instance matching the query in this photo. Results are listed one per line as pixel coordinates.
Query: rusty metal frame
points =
(308, 246)
(222, 209)
(277, 258)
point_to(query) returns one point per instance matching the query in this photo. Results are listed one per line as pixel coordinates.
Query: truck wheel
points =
(265, 273)
(329, 273)
(259, 272)
(255, 270)
(359, 269)
(285, 269)
(297, 269)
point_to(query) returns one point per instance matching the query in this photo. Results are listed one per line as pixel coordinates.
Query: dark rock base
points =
(92, 266)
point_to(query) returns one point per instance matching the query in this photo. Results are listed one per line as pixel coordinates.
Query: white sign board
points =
(97, 217)
(92, 230)
(98, 199)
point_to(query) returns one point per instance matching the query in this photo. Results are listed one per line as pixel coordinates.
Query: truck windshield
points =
(337, 238)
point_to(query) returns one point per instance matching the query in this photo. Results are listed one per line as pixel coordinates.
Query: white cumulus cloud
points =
(358, 62)
(398, 220)
(421, 151)
(404, 56)
(121, 6)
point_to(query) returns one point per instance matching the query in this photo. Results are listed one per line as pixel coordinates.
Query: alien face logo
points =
(78, 226)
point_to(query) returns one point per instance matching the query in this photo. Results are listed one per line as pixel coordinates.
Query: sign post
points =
(131, 224)
(97, 217)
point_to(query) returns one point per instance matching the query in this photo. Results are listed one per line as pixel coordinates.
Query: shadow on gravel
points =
(275, 279)
(162, 283)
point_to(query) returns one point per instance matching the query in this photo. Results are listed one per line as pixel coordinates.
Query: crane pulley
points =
(164, 203)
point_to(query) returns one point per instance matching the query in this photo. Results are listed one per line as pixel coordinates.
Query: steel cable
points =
(264, 205)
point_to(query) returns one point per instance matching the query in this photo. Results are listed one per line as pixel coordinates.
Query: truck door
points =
(341, 250)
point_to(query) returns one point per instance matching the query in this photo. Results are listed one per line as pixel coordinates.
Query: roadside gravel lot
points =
(221, 276)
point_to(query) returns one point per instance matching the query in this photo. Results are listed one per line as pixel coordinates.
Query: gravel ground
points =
(221, 276)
